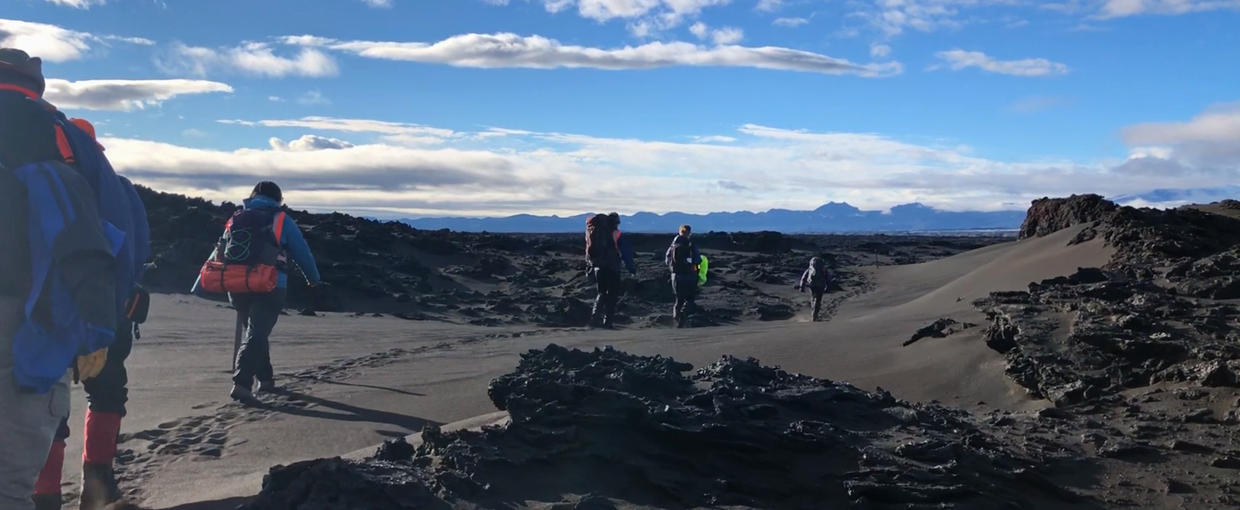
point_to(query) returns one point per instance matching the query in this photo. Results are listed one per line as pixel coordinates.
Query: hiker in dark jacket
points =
(684, 259)
(260, 312)
(817, 278)
(28, 134)
(606, 251)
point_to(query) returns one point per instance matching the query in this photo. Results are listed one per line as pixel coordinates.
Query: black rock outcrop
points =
(604, 428)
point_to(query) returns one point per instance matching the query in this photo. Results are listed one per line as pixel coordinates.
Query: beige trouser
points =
(27, 421)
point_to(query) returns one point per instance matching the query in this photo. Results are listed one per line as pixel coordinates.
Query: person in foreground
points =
(817, 278)
(684, 259)
(606, 250)
(107, 393)
(258, 302)
(59, 282)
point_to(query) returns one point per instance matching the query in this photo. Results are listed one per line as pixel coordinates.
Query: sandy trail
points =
(193, 447)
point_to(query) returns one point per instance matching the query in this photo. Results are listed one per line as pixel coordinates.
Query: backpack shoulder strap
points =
(278, 226)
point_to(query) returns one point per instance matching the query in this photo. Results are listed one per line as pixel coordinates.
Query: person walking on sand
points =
(257, 242)
(59, 283)
(606, 250)
(817, 278)
(107, 393)
(684, 260)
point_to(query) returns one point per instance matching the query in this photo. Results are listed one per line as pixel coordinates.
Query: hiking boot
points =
(99, 487)
(266, 387)
(243, 395)
(47, 501)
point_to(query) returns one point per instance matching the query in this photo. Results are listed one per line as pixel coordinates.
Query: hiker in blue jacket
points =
(684, 260)
(259, 312)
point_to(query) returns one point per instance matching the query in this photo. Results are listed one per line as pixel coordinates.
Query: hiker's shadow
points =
(347, 412)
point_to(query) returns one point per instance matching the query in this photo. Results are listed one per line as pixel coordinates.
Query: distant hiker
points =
(250, 264)
(61, 284)
(817, 278)
(685, 261)
(107, 393)
(606, 250)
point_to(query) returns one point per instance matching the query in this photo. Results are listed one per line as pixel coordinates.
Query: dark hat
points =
(22, 69)
(270, 190)
(615, 218)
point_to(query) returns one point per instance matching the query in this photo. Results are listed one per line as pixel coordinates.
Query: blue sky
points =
(481, 107)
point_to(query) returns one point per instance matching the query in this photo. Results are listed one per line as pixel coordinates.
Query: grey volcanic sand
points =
(356, 381)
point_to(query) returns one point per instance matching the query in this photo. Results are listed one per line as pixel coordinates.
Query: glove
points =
(88, 366)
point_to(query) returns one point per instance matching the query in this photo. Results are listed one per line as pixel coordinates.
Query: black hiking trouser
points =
(817, 292)
(685, 290)
(259, 312)
(608, 284)
(108, 392)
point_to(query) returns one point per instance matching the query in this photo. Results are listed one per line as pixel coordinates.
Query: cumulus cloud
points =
(252, 58)
(412, 169)
(960, 59)
(124, 94)
(53, 43)
(309, 143)
(789, 22)
(511, 50)
(769, 5)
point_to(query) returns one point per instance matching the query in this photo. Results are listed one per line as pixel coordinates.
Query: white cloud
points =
(699, 30)
(53, 43)
(415, 170)
(769, 5)
(512, 50)
(124, 94)
(275, 99)
(313, 97)
(391, 129)
(727, 35)
(960, 59)
(78, 4)
(256, 59)
(309, 143)
(380, 4)
(880, 50)
(789, 22)
(1124, 8)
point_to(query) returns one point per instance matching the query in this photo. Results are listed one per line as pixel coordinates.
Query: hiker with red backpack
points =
(606, 250)
(684, 259)
(107, 393)
(68, 269)
(250, 263)
(817, 278)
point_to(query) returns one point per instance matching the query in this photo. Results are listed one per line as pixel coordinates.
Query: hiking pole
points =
(241, 320)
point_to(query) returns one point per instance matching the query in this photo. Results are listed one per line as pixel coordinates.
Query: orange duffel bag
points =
(248, 257)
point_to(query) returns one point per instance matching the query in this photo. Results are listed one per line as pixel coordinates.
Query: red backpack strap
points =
(278, 227)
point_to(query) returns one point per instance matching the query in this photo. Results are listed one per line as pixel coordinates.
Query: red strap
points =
(27, 92)
(62, 143)
(279, 226)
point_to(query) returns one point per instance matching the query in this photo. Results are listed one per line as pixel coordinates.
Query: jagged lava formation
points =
(605, 429)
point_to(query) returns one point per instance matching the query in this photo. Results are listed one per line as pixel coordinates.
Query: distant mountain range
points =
(1178, 197)
(831, 218)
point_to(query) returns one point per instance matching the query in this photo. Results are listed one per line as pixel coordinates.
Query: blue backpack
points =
(43, 351)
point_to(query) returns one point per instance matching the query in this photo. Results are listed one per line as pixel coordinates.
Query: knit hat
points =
(270, 190)
(19, 68)
(88, 128)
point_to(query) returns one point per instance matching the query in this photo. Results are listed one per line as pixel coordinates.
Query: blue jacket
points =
(291, 241)
(626, 253)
